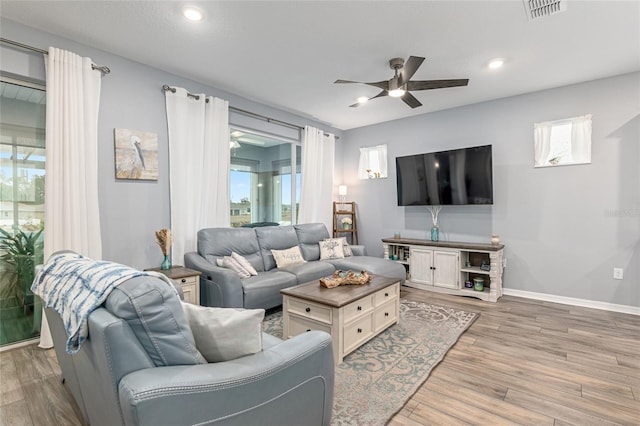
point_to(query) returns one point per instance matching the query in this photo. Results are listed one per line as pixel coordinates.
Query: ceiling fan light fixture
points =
(396, 93)
(362, 100)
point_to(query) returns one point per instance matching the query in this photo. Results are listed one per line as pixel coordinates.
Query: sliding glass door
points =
(22, 174)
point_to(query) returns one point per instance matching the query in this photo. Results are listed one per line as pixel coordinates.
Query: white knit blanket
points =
(74, 286)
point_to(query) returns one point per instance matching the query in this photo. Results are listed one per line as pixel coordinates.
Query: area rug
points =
(375, 381)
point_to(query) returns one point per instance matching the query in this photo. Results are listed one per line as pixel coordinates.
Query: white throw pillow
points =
(331, 249)
(244, 263)
(346, 248)
(290, 256)
(230, 263)
(223, 334)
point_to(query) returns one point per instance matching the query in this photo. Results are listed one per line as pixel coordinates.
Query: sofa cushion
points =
(274, 238)
(152, 309)
(373, 265)
(263, 291)
(346, 248)
(288, 257)
(244, 263)
(331, 248)
(309, 235)
(310, 271)
(223, 334)
(231, 263)
(214, 243)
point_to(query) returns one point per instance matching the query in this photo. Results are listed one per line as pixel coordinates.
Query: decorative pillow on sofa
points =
(223, 334)
(288, 257)
(244, 263)
(230, 263)
(331, 249)
(346, 248)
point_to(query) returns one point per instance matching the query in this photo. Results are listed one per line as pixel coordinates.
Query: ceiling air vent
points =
(540, 8)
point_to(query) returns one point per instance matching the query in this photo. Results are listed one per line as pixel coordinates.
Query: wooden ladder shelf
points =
(342, 210)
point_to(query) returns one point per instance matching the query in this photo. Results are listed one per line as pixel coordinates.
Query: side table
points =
(186, 278)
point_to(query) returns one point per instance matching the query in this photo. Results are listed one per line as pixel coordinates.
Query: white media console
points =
(445, 266)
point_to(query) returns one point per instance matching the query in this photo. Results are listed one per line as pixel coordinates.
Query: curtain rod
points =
(104, 69)
(245, 112)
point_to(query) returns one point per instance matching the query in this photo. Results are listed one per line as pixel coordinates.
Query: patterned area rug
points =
(375, 381)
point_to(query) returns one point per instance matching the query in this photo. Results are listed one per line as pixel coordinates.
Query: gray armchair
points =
(139, 366)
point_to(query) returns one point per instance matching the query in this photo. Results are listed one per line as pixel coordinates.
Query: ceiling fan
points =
(401, 84)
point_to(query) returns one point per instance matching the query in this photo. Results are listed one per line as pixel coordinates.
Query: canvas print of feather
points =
(136, 155)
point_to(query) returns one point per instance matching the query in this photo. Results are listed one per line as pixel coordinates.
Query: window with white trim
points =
(373, 162)
(563, 142)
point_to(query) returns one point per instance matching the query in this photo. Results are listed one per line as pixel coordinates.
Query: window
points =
(563, 142)
(262, 186)
(373, 162)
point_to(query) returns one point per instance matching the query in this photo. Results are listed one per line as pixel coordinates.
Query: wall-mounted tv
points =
(456, 177)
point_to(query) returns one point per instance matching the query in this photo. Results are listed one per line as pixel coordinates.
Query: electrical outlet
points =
(618, 273)
(504, 262)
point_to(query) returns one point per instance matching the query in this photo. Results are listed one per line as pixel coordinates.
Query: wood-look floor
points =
(532, 362)
(521, 362)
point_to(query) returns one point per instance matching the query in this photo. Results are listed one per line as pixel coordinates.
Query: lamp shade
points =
(342, 190)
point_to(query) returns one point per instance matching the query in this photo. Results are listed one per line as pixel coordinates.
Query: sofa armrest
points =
(359, 250)
(280, 385)
(219, 287)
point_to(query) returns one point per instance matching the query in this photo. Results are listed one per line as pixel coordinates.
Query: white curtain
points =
(542, 142)
(316, 193)
(199, 164)
(71, 216)
(581, 139)
(71, 213)
(373, 159)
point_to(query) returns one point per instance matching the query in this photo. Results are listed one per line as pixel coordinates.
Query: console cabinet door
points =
(421, 266)
(446, 269)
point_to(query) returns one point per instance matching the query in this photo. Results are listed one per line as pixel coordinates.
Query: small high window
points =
(373, 162)
(563, 142)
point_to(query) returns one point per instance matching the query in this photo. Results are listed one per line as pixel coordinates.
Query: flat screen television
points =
(456, 177)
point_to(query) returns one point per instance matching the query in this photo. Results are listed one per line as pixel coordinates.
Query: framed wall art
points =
(136, 155)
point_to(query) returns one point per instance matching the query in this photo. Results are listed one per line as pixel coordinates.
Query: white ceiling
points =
(287, 54)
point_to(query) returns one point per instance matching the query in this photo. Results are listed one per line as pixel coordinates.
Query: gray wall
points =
(565, 228)
(132, 98)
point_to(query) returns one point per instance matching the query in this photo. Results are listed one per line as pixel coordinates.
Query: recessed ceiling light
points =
(496, 63)
(362, 100)
(192, 13)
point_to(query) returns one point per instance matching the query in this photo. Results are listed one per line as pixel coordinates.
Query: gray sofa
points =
(139, 366)
(224, 288)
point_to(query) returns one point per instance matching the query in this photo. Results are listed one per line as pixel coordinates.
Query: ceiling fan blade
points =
(384, 85)
(410, 100)
(436, 84)
(409, 69)
(379, 95)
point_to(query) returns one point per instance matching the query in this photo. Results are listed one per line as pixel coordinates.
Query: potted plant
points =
(346, 222)
(20, 249)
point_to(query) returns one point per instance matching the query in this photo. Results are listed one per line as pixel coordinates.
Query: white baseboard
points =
(625, 309)
(19, 344)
